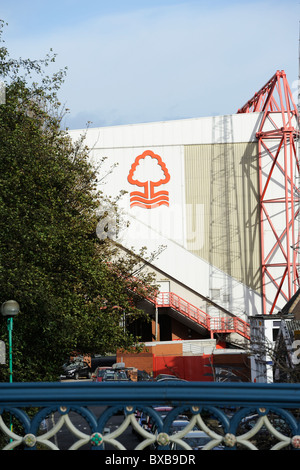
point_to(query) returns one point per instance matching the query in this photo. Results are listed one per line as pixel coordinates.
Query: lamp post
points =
(10, 309)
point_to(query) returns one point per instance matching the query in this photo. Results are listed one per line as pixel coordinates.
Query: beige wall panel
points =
(222, 209)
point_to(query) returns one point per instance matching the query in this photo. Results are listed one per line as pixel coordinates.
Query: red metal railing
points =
(196, 314)
(213, 324)
(230, 325)
(169, 299)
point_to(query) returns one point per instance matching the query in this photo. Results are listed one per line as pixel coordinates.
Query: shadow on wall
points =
(224, 178)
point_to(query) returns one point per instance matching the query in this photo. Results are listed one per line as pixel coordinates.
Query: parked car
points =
(141, 418)
(145, 420)
(248, 422)
(142, 375)
(97, 376)
(196, 440)
(171, 379)
(136, 375)
(76, 369)
(168, 377)
(115, 375)
(162, 411)
(179, 425)
(176, 426)
(264, 439)
(132, 374)
(165, 376)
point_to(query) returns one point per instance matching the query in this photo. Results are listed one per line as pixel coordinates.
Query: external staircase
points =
(212, 324)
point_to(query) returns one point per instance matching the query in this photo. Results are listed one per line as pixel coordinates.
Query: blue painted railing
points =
(233, 415)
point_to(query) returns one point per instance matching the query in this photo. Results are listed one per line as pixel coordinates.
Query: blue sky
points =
(135, 61)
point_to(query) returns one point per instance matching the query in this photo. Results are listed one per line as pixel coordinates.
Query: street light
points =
(10, 309)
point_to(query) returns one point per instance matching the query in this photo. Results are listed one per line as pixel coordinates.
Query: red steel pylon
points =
(278, 189)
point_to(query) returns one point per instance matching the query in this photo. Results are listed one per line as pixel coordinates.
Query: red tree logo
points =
(148, 171)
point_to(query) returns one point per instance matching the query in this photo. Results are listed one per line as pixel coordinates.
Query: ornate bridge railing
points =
(89, 415)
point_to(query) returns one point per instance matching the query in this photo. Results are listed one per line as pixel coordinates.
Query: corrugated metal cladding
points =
(222, 215)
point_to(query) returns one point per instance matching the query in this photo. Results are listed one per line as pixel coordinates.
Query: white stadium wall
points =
(192, 187)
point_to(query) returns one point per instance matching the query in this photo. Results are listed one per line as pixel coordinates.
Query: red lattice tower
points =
(278, 189)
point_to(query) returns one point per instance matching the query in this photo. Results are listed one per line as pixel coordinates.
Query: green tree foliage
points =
(74, 288)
